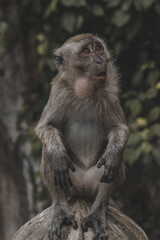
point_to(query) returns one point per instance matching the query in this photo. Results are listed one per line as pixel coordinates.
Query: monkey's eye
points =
(86, 51)
(98, 48)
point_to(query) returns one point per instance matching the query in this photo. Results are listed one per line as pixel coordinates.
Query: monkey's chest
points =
(85, 139)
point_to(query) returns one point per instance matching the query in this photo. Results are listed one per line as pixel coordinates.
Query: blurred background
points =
(29, 31)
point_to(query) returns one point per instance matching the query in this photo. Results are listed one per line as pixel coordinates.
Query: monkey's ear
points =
(58, 58)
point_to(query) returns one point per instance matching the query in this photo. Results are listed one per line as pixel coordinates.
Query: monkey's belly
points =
(86, 140)
(86, 182)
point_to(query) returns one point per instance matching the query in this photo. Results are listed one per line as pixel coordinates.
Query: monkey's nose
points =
(97, 59)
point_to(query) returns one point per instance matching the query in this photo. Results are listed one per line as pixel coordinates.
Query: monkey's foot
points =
(97, 221)
(61, 216)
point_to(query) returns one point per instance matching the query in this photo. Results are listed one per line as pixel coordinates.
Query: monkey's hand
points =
(96, 220)
(61, 216)
(60, 163)
(61, 172)
(111, 168)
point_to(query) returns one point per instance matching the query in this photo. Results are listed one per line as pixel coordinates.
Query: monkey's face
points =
(91, 61)
(83, 59)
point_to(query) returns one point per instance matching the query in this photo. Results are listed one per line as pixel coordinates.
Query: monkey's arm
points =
(117, 139)
(55, 152)
(55, 166)
(56, 155)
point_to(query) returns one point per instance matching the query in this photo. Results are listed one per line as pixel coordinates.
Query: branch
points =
(118, 224)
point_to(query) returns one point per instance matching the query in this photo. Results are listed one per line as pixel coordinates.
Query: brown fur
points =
(79, 37)
(82, 128)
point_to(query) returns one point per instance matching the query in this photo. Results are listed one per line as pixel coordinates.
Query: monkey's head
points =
(82, 62)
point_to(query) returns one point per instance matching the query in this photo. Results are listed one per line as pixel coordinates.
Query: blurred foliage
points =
(131, 29)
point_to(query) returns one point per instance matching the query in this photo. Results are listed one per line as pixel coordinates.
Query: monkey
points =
(83, 133)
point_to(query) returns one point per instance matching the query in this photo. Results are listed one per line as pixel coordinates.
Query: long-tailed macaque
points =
(83, 132)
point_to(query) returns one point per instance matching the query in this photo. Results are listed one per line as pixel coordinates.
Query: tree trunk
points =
(119, 226)
(16, 188)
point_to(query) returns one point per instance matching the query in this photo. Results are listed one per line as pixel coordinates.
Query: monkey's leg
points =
(97, 216)
(61, 214)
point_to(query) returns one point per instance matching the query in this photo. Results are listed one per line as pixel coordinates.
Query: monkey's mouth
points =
(99, 76)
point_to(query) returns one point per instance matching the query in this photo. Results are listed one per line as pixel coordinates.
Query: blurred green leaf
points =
(42, 48)
(40, 37)
(142, 96)
(118, 48)
(47, 28)
(51, 64)
(153, 77)
(137, 78)
(40, 65)
(143, 4)
(113, 3)
(68, 22)
(157, 7)
(126, 5)
(154, 114)
(145, 148)
(131, 155)
(135, 107)
(52, 6)
(68, 3)
(156, 154)
(97, 10)
(133, 29)
(134, 139)
(158, 86)
(144, 134)
(120, 18)
(81, 3)
(80, 21)
(153, 131)
(3, 27)
(76, 3)
(151, 93)
(152, 64)
(142, 122)
(25, 2)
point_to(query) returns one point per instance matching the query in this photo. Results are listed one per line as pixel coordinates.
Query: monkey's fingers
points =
(100, 233)
(104, 178)
(96, 236)
(84, 226)
(54, 231)
(112, 174)
(58, 232)
(101, 162)
(109, 175)
(73, 222)
(52, 236)
(64, 180)
(71, 166)
(96, 230)
(87, 222)
(68, 179)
